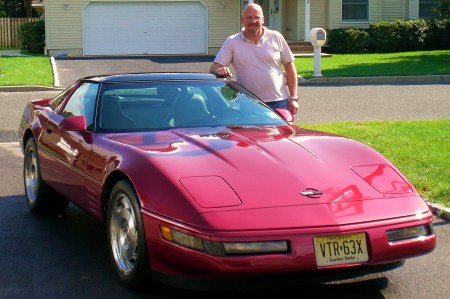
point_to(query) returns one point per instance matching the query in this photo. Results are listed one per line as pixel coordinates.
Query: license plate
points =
(341, 249)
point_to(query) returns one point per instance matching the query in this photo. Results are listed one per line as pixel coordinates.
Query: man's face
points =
(253, 20)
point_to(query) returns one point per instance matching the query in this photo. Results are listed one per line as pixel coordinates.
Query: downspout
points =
(307, 19)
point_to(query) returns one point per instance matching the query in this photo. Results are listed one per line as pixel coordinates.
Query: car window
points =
(159, 105)
(59, 98)
(82, 102)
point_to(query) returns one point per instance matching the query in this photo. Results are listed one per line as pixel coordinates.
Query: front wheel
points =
(125, 231)
(40, 197)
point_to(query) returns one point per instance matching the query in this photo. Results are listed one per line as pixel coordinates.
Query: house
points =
(38, 7)
(112, 27)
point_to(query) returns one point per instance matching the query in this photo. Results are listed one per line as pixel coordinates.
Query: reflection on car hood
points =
(270, 167)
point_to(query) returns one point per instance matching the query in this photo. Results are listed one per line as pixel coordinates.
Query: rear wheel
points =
(40, 197)
(125, 230)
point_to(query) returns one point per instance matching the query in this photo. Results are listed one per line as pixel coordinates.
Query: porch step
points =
(300, 47)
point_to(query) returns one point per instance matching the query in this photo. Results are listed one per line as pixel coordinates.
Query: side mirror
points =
(73, 123)
(286, 115)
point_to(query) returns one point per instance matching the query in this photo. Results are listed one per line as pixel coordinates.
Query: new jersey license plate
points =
(341, 249)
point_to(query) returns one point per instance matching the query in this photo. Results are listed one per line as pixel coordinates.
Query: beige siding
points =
(222, 22)
(394, 10)
(63, 25)
(319, 10)
(301, 20)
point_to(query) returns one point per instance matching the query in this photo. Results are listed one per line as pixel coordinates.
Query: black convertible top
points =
(127, 77)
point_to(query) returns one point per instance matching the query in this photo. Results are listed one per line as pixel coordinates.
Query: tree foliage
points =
(442, 10)
(15, 8)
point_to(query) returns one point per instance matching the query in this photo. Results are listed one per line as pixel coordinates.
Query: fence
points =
(9, 31)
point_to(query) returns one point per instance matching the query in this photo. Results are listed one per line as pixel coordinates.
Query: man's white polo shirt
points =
(258, 66)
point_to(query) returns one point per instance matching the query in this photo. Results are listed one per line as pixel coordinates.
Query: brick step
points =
(300, 47)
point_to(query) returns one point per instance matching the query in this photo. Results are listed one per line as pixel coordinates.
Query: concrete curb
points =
(438, 79)
(439, 210)
(444, 79)
(27, 88)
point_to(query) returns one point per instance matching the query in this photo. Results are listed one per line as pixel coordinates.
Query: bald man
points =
(258, 56)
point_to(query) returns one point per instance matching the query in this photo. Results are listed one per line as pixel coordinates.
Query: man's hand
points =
(220, 70)
(293, 106)
(223, 72)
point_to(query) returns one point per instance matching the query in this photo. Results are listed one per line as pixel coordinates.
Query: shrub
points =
(31, 36)
(409, 35)
(348, 40)
(383, 37)
(438, 37)
(412, 34)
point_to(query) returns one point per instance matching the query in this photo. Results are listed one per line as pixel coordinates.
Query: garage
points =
(165, 27)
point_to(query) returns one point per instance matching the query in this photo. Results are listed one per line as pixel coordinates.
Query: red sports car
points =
(201, 185)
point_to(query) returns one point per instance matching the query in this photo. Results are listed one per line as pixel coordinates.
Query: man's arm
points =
(220, 70)
(292, 83)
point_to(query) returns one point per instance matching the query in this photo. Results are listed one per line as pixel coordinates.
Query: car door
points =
(69, 151)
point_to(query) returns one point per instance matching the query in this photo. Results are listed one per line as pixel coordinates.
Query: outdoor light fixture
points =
(66, 5)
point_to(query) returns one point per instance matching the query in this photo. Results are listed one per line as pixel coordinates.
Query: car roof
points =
(127, 77)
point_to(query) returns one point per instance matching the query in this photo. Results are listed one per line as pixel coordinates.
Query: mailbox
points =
(318, 37)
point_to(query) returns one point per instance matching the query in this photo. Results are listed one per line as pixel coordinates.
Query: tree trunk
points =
(28, 8)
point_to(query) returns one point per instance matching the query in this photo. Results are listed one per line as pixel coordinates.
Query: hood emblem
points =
(311, 193)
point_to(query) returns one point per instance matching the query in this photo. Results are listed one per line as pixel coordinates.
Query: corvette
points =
(200, 185)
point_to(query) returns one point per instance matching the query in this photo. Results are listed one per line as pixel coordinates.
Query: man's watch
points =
(293, 98)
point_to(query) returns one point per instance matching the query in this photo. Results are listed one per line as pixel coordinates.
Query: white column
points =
(307, 19)
(413, 9)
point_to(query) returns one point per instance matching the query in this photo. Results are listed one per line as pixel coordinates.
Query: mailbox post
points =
(318, 37)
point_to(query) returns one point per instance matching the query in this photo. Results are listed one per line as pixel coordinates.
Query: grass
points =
(420, 149)
(30, 70)
(386, 64)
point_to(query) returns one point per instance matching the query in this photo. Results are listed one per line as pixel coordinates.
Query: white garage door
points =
(145, 28)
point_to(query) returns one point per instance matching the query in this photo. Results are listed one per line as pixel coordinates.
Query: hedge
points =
(31, 36)
(395, 36)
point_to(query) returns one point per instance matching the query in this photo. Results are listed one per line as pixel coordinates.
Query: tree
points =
(442, 10)
(16, 8)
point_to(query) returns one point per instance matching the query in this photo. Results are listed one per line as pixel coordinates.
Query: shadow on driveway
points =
(69, 69)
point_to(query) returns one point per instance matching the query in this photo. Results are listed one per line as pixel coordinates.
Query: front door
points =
(272, 13)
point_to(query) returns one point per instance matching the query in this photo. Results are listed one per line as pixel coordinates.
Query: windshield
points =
(160, 105)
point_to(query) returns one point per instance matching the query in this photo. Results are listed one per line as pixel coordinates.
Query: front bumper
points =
(183, 267)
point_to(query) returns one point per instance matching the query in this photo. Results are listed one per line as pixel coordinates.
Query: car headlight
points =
(410, 232)
(223, 248)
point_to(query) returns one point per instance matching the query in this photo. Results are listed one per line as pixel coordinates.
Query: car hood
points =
(269, 171)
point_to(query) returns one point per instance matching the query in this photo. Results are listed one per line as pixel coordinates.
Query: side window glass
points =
(59, 98)
(82, 102)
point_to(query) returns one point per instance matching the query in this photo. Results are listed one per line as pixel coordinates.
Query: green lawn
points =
(32, 70)
(420, 149)
(386, 64)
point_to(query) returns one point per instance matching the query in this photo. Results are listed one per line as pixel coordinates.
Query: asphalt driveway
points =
(69, 69)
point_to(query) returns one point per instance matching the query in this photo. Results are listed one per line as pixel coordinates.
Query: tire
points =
(39, 196)
(126, 236)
